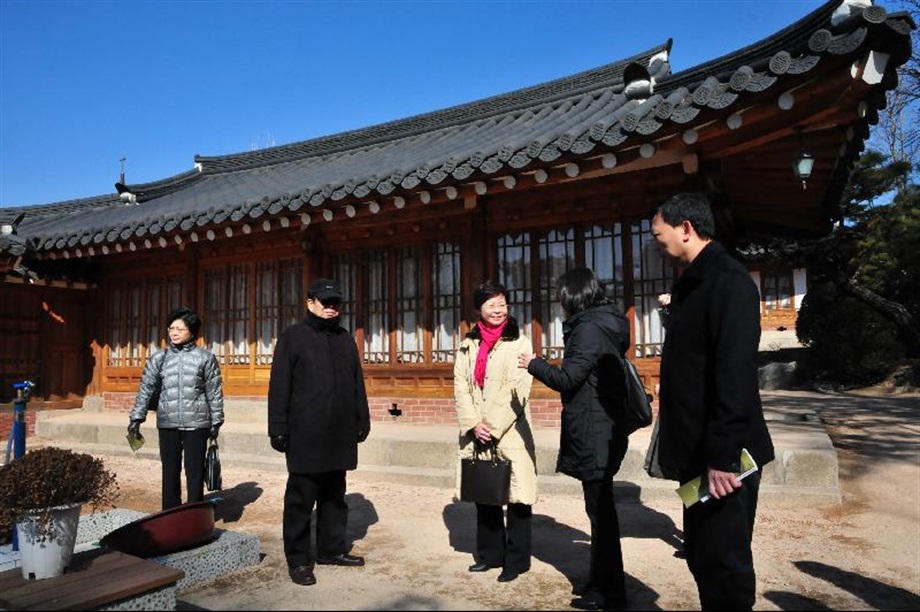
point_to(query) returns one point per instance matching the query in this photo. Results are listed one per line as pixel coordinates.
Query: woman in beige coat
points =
(492, 395)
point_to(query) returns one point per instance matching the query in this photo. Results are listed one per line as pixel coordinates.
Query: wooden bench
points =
(95, 578)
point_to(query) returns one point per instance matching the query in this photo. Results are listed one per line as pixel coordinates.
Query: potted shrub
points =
(42, 493)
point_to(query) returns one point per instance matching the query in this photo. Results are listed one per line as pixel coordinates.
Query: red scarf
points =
(490, 336)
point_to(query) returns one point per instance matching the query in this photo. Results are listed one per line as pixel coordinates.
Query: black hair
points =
(693, 207)
(578, 289)
(188, 316)
(486, 291)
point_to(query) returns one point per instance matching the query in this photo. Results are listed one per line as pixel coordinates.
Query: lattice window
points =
(652, 276)
(776, 289)
(135, 317)
(557, 254)
(514, 274)
(409, 295)
(279, 298)
(346, 272)
(445, 294)
(376, 327)
(604, 255)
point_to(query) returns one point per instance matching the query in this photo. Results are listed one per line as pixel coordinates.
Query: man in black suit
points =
(317, 415)
(710, 405)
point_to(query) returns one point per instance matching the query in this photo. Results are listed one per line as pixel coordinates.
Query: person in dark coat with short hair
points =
(591, 384)
(317, 415)
(709, 402)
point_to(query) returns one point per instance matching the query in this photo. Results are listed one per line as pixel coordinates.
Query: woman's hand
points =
(483, 433)
(524, 359)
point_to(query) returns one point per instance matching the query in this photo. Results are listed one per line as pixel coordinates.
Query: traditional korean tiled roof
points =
(598, 112)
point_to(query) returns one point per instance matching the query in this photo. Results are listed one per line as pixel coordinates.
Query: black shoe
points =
(509, 575)
(344, 560)
(302, 574)
(596, 601)
(482, 567)
(582, 589)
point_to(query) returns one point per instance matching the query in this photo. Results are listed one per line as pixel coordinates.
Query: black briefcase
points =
(484, 478)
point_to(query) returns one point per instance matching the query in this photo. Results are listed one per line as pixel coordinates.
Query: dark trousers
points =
(717, 541)
(606, 554)
(326, 491)
(507, 547)
(173, 444)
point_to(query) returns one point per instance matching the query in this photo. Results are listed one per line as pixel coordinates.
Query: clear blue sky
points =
(83, 84)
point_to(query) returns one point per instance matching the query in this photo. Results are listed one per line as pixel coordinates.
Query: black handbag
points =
(652, 466)
(484, 478)
(212, 477)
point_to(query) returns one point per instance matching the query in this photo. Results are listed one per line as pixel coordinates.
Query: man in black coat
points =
(709, 399)
(317, 415)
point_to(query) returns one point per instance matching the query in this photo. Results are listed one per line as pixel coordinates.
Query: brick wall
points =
(545, 413)
(6, 426)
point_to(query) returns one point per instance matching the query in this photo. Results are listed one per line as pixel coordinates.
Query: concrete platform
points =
(228, 552)
(805, 466)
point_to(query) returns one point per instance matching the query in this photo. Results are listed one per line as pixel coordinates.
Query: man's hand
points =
(279, 443)
(215, 429)
(362, 435)
(722, 483)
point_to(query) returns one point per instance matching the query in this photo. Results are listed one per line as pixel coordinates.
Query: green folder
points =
(697, 490)
(135, 442)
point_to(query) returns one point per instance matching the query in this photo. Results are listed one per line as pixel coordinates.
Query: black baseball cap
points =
(325, 290)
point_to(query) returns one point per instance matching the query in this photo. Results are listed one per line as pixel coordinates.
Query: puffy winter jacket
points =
(591, 385)
(191, 394)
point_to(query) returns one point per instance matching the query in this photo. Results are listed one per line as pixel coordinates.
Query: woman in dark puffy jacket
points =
(591, 384)
(183, 384)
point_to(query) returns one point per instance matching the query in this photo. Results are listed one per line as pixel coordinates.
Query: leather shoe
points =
(344, 560)
(509, 576)
(302, 574)
(482, 567)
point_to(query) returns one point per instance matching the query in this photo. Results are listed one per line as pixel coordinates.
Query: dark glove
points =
(279, 443)
(215, 429)
(134, 428)
(362, 435)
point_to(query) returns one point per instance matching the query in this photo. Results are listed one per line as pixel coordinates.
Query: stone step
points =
(805, 465)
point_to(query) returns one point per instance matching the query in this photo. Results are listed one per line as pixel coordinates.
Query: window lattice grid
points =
(514, 274)
(604, 255)
(215, 315)
(777, 290)
(268, 309)
(445, 293)
(115, 326)
(136, 345)
(346, 272)
(238, 314)
(557, 254)
(154, 299)
(409, 302)
(136, 317)
(652, 276)
(376, 337)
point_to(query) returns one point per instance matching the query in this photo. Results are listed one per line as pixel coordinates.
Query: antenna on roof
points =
(122, 159)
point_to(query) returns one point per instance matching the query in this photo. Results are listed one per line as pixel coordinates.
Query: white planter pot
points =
(47, 557)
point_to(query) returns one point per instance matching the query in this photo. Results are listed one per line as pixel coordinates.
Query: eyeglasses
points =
(177, 329)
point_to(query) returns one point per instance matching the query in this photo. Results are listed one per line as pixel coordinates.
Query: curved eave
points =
(589, 119)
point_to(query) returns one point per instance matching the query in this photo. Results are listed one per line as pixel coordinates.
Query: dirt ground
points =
(861, 554)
